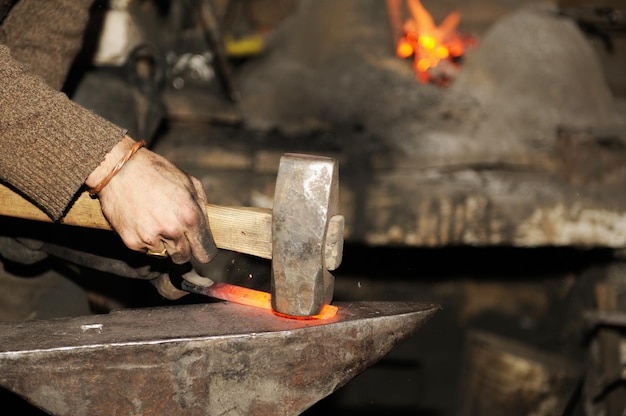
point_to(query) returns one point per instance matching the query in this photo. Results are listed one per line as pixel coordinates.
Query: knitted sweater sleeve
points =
(46, 36)
(48, 144)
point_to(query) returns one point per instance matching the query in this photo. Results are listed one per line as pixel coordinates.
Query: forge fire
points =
(436, 50)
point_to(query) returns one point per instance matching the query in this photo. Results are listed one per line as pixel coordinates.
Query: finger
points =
(200, 238)
(178, 250)
(154, 247)
(201, 196)
(133, 241)
(201, 242)
(157, 252)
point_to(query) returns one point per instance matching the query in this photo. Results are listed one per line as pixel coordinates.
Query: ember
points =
(436, 50)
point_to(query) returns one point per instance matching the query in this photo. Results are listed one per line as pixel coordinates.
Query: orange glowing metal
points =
(258, 299)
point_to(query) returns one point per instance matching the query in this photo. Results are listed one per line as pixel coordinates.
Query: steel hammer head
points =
(307, 234)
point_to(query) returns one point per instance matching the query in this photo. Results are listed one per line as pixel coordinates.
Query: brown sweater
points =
(48, 144)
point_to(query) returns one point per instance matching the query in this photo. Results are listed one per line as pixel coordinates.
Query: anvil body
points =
(207, 359)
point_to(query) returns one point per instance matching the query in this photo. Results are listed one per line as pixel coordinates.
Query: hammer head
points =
(305, 207)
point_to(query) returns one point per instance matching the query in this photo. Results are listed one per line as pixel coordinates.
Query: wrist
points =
(109, 162)
(112, 163)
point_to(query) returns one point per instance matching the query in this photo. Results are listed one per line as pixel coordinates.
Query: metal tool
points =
(213, 35)
(210, 359)
(302, 234)
(305, 200)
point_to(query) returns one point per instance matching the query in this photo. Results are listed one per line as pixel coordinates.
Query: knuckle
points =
(149, 237)
(133, 243)
(190, 215)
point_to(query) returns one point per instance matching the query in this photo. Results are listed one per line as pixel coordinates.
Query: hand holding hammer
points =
(302, 234)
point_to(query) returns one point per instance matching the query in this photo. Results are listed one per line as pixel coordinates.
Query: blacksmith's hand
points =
(154, 206)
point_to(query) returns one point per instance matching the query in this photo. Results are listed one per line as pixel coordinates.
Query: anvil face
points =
(199, 359)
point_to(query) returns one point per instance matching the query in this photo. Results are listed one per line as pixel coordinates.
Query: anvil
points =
(203, 359)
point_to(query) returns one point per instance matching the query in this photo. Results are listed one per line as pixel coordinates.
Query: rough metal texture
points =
(210, 359)
(306, 198)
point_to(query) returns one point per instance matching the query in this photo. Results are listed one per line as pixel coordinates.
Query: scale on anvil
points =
(275, 354)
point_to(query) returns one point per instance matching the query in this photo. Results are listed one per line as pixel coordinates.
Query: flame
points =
(259, 299)
(428, 43)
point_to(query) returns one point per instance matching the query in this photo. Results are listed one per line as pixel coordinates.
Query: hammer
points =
(302, 233)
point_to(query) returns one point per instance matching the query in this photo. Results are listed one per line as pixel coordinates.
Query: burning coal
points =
(436, 50)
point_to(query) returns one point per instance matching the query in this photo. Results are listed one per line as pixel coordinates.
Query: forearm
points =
(48, 144)
(46, 35)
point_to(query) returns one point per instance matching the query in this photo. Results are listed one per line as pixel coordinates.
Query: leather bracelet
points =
(96, 189)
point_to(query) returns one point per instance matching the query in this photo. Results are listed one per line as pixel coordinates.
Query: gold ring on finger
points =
(162, 253)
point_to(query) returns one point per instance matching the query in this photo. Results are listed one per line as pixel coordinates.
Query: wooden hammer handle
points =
(242, 229)
(245, 230)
